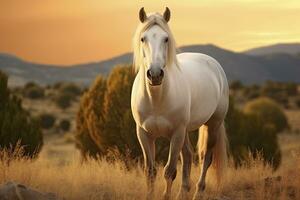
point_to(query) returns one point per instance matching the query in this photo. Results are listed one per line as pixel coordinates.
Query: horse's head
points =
(154, 44)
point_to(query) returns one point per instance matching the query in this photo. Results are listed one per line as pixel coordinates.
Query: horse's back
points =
(201, 67)
(200, 62)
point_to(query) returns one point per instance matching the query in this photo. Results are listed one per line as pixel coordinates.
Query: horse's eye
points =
(142, 39)
(166, 40)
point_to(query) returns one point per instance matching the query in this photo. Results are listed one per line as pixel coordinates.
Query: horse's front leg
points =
(148, 146)
(170, 170)
(186, 159)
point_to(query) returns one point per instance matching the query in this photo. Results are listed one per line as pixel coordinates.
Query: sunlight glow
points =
(75, 31)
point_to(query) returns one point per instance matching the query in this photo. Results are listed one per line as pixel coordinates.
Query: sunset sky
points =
(76, 31)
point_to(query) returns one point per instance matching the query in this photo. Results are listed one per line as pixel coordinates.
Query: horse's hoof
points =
(182, 195)
(170, 172)
(150, 196)
(166, 196)
(197, 196)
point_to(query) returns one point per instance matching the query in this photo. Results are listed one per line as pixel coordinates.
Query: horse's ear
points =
(167, 14)
(142, 15)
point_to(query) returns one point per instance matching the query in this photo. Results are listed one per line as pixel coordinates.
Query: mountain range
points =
(253, 66)
(292, 48)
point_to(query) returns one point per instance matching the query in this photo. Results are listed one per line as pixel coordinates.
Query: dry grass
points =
(58, 170)
(101, 180)
(294, 119)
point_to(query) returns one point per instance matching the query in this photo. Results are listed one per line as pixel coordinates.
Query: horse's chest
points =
(157, 125)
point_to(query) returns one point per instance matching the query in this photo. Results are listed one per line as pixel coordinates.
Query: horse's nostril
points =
(161, 73)
(148, 74)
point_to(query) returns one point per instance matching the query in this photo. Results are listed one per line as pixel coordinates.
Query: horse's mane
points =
(138, 57)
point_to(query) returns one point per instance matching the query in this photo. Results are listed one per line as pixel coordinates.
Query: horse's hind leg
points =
(205, 153)
(186, 159)
(208, 135)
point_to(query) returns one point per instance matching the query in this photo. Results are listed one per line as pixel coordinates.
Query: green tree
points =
(90, 120)
(84, 141)
(119, 124)
(17, 127)
(105, 116)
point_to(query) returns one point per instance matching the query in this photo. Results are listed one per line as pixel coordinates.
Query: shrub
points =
(247, 132)
(291, 89)
(270, 88)
(47, 120)
(63, 101)
(70, 88)
(297, 102)
(279, 91)
(268, 111)
(251, 92)
(91, 104)
(30, 84)
(65, 94)
(34, 92)
(57, 85)
(17, 127)
(65, 125)
(236, 85)
(282, 99)
(4, 92)
(104, 118)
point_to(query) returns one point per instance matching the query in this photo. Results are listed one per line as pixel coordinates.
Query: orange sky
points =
(77, 31)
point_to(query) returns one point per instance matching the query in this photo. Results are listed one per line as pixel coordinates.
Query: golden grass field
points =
(59, 170)
(66, 176)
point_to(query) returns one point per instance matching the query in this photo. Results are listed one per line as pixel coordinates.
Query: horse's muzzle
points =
(155, 77)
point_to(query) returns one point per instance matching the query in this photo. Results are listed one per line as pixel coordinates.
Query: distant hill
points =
(252, 69)
(21, 72)
(238, 66)
(292, 49)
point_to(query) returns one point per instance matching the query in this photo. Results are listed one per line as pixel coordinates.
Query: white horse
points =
(172, 95)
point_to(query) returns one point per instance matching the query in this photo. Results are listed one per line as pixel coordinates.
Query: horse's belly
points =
(200, 114)
(157, 126)
(195, 124)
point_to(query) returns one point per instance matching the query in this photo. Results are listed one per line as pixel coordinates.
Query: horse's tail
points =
(219, 151)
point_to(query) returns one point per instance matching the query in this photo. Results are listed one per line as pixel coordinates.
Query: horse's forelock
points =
(154, 19)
